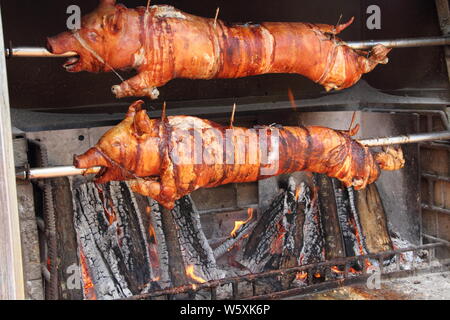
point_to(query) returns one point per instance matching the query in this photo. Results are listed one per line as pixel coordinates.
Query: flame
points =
(301, 275)
(317, 275)
(88, 285)
(297, 192)
(238, 224)
(190, 272)
(292, 99)
(152, 233)
(353, 270)
(336, 269)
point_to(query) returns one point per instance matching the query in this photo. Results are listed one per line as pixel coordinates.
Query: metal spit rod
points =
(65, 171)
(402, 43)
(36, 52)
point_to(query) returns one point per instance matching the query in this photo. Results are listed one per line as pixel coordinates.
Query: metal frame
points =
(330, 279)
(11, 270)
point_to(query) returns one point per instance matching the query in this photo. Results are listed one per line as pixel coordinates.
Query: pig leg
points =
(141, 85)
(152, 189)
(164, 191)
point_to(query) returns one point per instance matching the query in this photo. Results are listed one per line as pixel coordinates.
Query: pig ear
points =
(141, 123)
(116, 21)
(107, 2)
(134, 108)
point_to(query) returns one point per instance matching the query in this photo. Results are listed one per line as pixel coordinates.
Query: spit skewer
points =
(65, 171)
(37, 52)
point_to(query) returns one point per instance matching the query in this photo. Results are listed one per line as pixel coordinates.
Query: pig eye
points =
(93, 36)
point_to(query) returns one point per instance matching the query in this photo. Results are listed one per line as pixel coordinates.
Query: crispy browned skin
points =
(164, 43)
(154, 154)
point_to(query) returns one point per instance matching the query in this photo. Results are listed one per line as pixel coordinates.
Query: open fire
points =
(293, 231)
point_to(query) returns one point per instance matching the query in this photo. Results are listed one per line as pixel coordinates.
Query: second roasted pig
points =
(169, 158)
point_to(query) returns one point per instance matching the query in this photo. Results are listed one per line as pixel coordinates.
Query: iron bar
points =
(435, 208)
(35, 52)
(402, 43)
(54, 172)
(435, 177)
(447, 243)
(409, 138)
(334, 284)
(41, 52)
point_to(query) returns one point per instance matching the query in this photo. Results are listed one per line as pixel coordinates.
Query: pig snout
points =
(92, 158)
(61, 43)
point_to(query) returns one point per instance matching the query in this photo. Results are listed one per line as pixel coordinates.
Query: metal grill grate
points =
(329, 279)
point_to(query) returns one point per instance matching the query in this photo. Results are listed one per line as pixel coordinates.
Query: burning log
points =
(353, 246)
(313, 249)
(274, 233)
(333, 240)
(198, 257)
(112, 241)
(158, 244)
(240, 231)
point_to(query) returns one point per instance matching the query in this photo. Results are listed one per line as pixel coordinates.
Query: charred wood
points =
(275, 232)
(195, 249)
(344, 216)
(68, 265)
(333, 241)
(373, 220)
(111, 239)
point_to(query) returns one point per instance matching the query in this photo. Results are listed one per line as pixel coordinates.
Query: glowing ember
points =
(301, 275)
(317, 275)
(148, 210)
(277, 245)
(353, 270)
(190, 272)
(88, 286)
(335, 269)
(238, 224)
(152, 234)
(297, 192)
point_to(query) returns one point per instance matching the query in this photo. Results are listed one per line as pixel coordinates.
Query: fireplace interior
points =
(296, 236)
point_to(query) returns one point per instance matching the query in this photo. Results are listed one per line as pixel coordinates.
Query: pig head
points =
(128, 151)
(107, 40)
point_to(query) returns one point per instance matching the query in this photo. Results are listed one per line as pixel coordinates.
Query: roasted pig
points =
(162, 43)
(170, 157)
